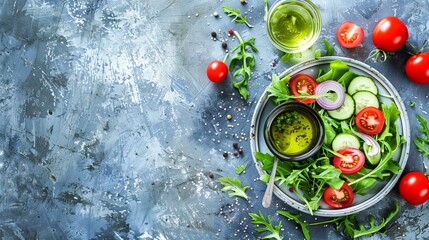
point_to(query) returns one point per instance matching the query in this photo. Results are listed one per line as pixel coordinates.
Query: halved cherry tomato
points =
(353, 161)
(340, 198)
(370, 120)
(390, 34)
(303, 83)
(414, 188)
(217, 71)
(417, 68)
(350, 35)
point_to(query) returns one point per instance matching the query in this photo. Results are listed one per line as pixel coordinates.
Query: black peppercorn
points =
(214, 34)
(225, 154)
(224, 45)
(235, 145)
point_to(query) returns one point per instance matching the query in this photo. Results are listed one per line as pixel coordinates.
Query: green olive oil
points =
(292, 25)
(293, 133)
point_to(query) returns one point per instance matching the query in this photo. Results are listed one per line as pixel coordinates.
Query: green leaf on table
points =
(242, 63)
(240, 169)
(266, 226)
(354, 232)
(234, 187)
(303, 225)
(328, 47)
(236, 14)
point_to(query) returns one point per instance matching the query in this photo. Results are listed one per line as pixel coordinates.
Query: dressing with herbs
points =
(292, 132)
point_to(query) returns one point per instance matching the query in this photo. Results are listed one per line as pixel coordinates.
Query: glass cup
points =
(293, 25)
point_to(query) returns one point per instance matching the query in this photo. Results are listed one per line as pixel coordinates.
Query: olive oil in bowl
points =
(294, 131)
(293, 25)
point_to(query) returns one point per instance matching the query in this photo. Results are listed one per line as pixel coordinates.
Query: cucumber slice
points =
(374, 160)
(344, 140)
(345, 111)
(362, 83)
(365, 99)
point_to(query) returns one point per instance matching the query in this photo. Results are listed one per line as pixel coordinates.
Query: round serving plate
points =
(382, 188)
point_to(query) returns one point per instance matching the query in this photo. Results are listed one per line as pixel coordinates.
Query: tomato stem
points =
(377, 54)
(226, 57)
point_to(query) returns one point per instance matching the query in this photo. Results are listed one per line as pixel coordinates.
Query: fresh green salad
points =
(361, 137)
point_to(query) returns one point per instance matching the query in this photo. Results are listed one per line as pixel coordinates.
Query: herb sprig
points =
(234, 187)
(266, 226)
(240, 168)
(422, 142)
(238, 18)
(242, 63)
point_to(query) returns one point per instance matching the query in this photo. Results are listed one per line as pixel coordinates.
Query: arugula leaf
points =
(267, 225)
(240, 168)
(352, 232)
(346, 79)
(303, 225)
(422, 142)
(278, 91)
(238, 18)
(234, 186)
(390, 140)
(338, 69)
(265, 10)
(242, 63)
(308, 178)
(328, 47)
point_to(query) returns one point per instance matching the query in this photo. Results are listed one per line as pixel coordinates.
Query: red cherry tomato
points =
(217, 71)
(303, 83)
(340, 198)
(414, 188)
(390, 34)
(417, 68)
(370, 120)
(353, 161)
(350, 35)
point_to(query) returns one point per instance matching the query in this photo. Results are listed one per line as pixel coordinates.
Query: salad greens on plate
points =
(352, 126)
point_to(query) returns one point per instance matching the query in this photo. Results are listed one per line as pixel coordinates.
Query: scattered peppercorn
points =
(224, 45)
(214, 34)
(243, 1)
(230, 31)
(229, 117)
(240, 151)
(235, 154)
(211, 175)
(216, 14)
(225, 154)
(235, 145)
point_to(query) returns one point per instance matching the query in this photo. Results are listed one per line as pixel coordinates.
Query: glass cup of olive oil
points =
(293, 25)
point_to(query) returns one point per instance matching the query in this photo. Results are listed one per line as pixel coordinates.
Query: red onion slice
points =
(330, 86)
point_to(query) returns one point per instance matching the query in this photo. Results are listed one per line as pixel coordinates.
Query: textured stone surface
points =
(110, 129)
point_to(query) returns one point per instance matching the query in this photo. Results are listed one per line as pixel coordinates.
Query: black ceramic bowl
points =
(294, 131)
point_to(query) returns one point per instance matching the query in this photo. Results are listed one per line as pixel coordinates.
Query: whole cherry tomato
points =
(417, 68)
(414, 188)
(217, 71)
(390, 34)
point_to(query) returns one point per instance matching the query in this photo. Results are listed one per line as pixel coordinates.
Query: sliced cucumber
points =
(374, 160)
(362, 83)
(345, 111)
(344, 140)
(364, 99)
